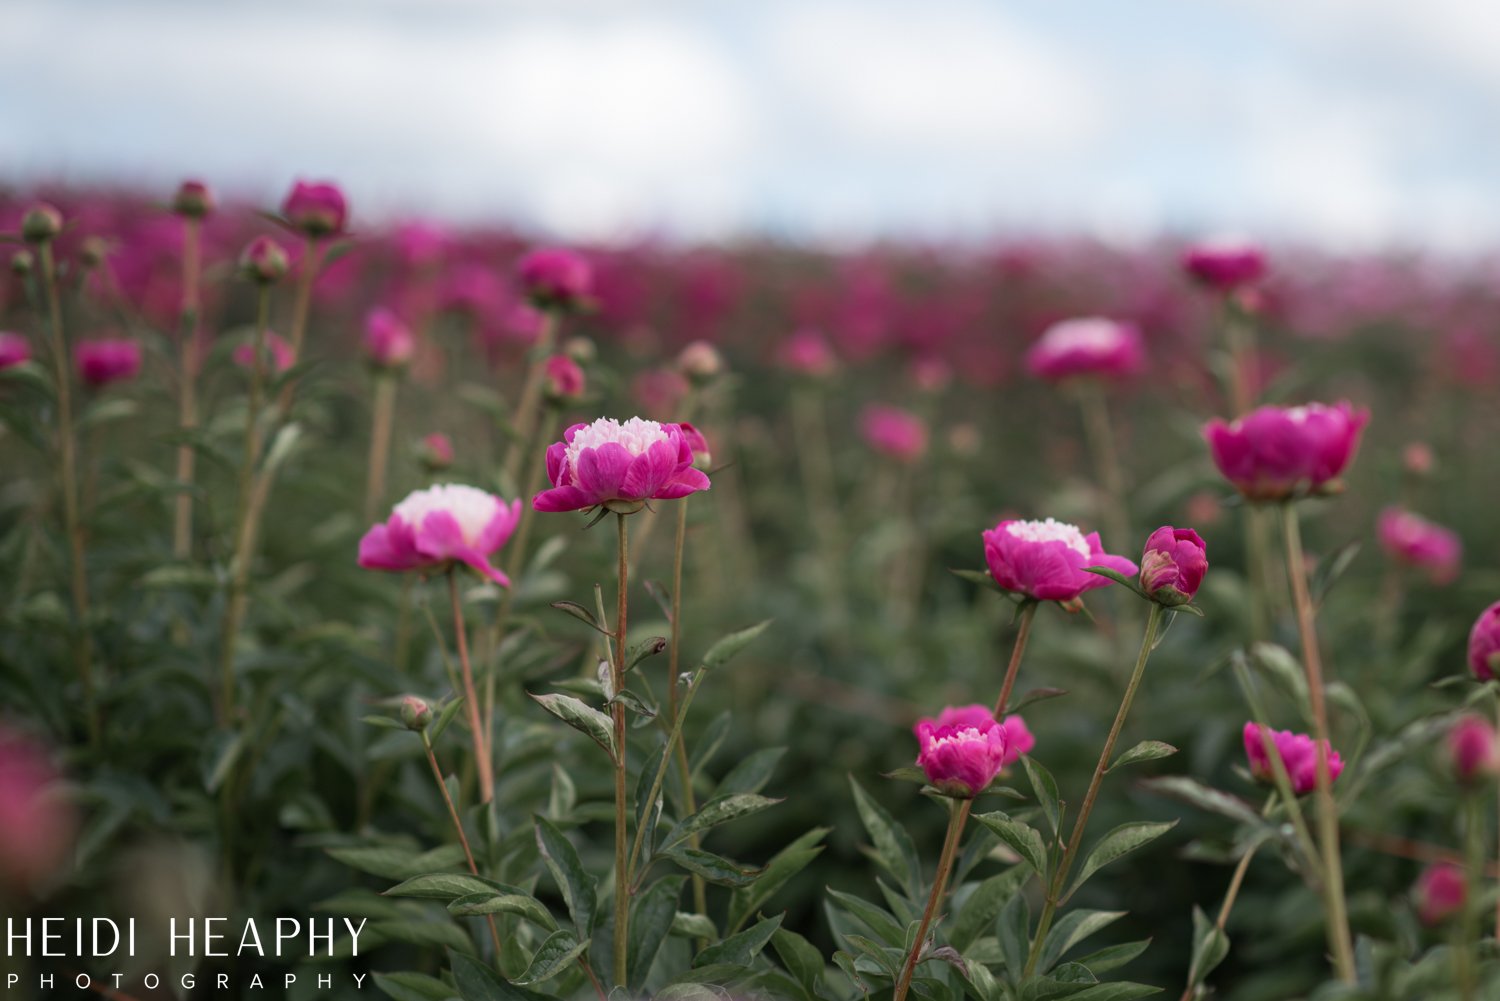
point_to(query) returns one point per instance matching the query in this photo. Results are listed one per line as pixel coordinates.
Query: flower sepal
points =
(619, 506)
(1163, 595)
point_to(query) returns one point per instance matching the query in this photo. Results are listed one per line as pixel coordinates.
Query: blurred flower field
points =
(1022, 620)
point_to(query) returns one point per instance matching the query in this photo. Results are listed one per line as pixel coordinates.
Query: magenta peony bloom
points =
(264, 261)
(1409, 538)
(1044, 560)
(278, 353)
(1296, 750)
(389, 343)
(619, 466)
(1474, 749)
(14, 350)
(37, 825)
(1225, 265)
(1441, 892)
(1089, 346)
(316, 208)
(556, 278)
(807, 352)
(1274, 453)
(1173, 565)
(565, 380)
(963, 750)
(893, 432)
(111, 359)
(437, 528)
(437, 452)
(1484, 644)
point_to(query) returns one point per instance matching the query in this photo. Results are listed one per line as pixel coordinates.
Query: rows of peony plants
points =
(491, 719)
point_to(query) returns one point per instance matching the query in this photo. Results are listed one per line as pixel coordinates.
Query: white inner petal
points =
(964, 736)
(1050, 530)
(636, 435)
(471, 507)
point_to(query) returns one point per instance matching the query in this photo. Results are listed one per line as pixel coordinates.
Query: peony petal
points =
(601, 470)
(563, 499)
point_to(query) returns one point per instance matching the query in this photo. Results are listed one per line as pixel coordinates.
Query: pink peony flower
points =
(1296, 750)
(1044, 560)
(1441, 892)
(111, 359)
(893, 432)
(389, 343)
(963, 750)
(1409, 538)
(14, 350)
(565, 380)
(1225, 265)
(1173, 565)
(316, 208)
(1274, 453)
(556, 278)
(437, 528)
(264, 261)
(1474, 749)
(620, 466)
(1089, 346)
(278, 353)
(437, 452)
(1484, 644)
(37, 825)
(807, 352)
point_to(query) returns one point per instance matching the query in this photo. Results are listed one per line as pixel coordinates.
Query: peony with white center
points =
(636, 435)
(1093, 333)
(1050, 530)
(471, 507)
(968, 735)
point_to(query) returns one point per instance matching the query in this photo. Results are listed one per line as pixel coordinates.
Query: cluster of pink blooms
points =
(965, 748)
(1297, 751)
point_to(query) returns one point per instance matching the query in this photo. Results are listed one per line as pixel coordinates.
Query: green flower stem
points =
(679, 748)
(1101, 438)
(1463, 949)
(187, 421)
(471, 700)
(1230, 896)
(659, 779)
(381, 422)
(622, 861)
(1065, 864)
(958, 815)
(1327, 812)
(1023, 633)
(815, 460)
(458, 825)
(67, 441)
(312, 259)
(524, 421)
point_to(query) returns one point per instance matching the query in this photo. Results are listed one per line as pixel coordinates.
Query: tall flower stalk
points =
(187, 418)
(382, 420)
(617, 711)
(958, 814)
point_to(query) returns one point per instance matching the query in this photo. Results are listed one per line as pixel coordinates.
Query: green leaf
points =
(412, 987)
(783, 866)
(384, 722)
(1014, 931)
(1115, 992)
(576, 610)
(643, 648)
(725, 649)
(581, 717)
(1045, 787)
(880, 923)
(752, 773)
(648, 810)
(477, 982)
(1146, 750)
(1113, 957)
(738, 950)
(1285, 670)
(1205, 798)
(1023, 839)
(282, 447)
(397, 863)
(1034, 696)
(687, 925)
(1118, 578)
(1210, 946)
(553, 956)
(716, 812)
(895, 851)
(980, 577)
(1119, 842)
(651, 921)
(714, 868)
(983, 906)
(521, 904)
(445, 716)
(579, 889)
(1072, 928)
(1330, 569)
(800, 957)
(444, 886)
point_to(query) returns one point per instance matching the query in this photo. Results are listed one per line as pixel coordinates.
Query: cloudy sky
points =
(1348, 122)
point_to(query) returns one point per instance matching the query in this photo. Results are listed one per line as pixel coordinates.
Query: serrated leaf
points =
(1120, 842)
(726, 648)
(718, 811)
(1146, 750)
(581, 717)
(1023, 839)
(894, 849)
(578, 887)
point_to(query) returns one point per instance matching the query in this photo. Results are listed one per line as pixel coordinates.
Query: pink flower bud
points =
(264, 261)
(1484, 644)
(565, 380)
(1411, 539)
(1441, 892)
(1297, 751)
(893, 432)
(963, 750)
(37, 825)
(277, 353)
(808, 353)
(1474, 749)
(389, 343)
(113, 359)
(1092, 346)
(619, 466)
(316, 208)
(702, 457)
(437, 452)
(1225, 265)
(439, 528)
(193, 200)
(14, 350)
(700, 361)
(1275, 453)
(415, 713)
(1173, 565)
(556, 278)
(42, 222)
(1044, 560)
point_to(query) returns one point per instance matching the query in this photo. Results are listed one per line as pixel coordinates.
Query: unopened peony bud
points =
(317, 209)
(101, 362)
(193, 200)
(93, 251)
(1173, 565)
(702, 457)
(565, 380)
(436, 452)
(41, 223)
(894, 432)
(581, 349)
(264, 261)
(415, 713)
(1441, 892)
(388, 342)
(1484, 644)
(1417, 459)
(701, 362)
(556, 278)
(21, 263)
(14, 350)
(1474, 750)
